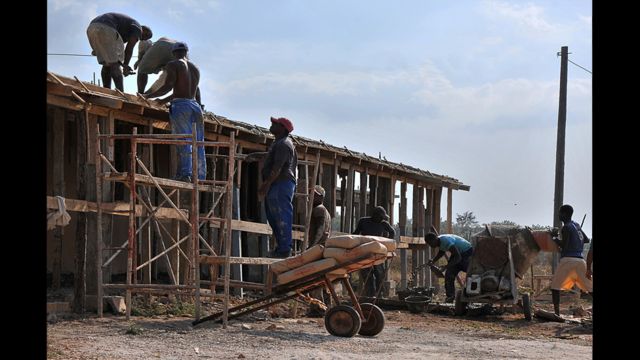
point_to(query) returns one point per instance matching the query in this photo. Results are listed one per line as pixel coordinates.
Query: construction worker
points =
(572, 269)
(376, 225)
(107, 35)
(320, 225)
(279, 184)
(461, 251)
(183, 78)
(152, 60)
(319, 230)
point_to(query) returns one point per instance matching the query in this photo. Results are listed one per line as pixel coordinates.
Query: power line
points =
(580, 67)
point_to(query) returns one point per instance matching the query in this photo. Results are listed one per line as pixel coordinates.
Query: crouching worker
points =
(461, 251)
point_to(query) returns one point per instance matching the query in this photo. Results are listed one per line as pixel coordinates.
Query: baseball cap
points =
(284, 122)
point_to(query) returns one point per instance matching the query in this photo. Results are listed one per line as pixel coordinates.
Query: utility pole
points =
(562, 122)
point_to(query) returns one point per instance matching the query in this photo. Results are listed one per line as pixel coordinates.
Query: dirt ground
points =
(263, 335)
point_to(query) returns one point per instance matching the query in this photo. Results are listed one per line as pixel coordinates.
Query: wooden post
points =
(194, 214)
(79, 278)
(58, 189)
(99, 241)
(363, 193)
(420, 233)
(415, 220)
(131, 246)
(436, 208)
(228, 216)
(334, 188)
(558, 193)
(108, 127)
(402, 222)
(348, 224)
(449, 210)
(373, 193)
(432, 280)
(91, 195)
(310, 195)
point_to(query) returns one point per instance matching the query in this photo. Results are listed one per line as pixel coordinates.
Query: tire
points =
(460, 306)
(526, 306)
(342, 320)
(373, 321)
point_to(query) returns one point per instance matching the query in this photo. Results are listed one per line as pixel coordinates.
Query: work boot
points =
(449, 299)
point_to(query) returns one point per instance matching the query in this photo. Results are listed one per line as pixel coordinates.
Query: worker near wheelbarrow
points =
(572, 268)
(375, 225)
(461, 251)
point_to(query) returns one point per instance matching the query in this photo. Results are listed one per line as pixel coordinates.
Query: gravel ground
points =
(405, 336)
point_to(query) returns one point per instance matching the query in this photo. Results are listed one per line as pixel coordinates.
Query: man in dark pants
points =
(107, 35)
(461, 251)
(572, 269)
(279, 184)
(376, 225)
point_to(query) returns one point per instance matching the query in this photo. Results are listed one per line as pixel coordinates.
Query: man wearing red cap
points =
(279, 184)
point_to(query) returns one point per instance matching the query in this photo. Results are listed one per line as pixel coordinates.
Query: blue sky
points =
(467, 89)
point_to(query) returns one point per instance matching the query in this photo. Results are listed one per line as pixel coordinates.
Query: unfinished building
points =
(110, 156)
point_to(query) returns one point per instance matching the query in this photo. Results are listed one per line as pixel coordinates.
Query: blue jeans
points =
(183, 113)
(279, 210)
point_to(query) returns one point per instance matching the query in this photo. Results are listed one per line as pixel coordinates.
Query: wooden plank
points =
(412, 240)
(117, 208)
(216, 260)
(145, 179)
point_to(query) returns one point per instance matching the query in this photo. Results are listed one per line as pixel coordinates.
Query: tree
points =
(465, 223)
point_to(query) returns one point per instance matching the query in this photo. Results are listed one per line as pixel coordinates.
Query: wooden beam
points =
(216, 260)
(118, 208)
(363, 193)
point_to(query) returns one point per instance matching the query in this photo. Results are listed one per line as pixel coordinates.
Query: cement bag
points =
(344, 255)
(305, 270)
(367, 263)
(346, 241)
(351, 241)
(310, 255)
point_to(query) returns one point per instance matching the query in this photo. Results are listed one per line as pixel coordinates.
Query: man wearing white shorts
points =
(107, 35)
(572, 269)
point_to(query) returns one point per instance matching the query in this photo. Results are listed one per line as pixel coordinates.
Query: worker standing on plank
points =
(107, 35)
(183, 78)
(279, 184)
(461, 251)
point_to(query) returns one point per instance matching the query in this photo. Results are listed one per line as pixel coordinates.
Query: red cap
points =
(284, 122)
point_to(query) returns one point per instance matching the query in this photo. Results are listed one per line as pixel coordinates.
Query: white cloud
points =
(586, 19)
(528, 15)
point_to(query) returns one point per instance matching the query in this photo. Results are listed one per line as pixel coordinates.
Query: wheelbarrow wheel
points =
(342, 320)
(373, 321)
(460, 307)
(526, 306)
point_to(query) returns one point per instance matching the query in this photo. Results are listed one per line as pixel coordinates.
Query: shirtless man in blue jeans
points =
(183, 77)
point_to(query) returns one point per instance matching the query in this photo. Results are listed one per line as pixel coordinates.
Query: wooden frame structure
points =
(77, 109)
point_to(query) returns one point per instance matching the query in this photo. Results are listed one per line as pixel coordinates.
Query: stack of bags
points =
(337, 250)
